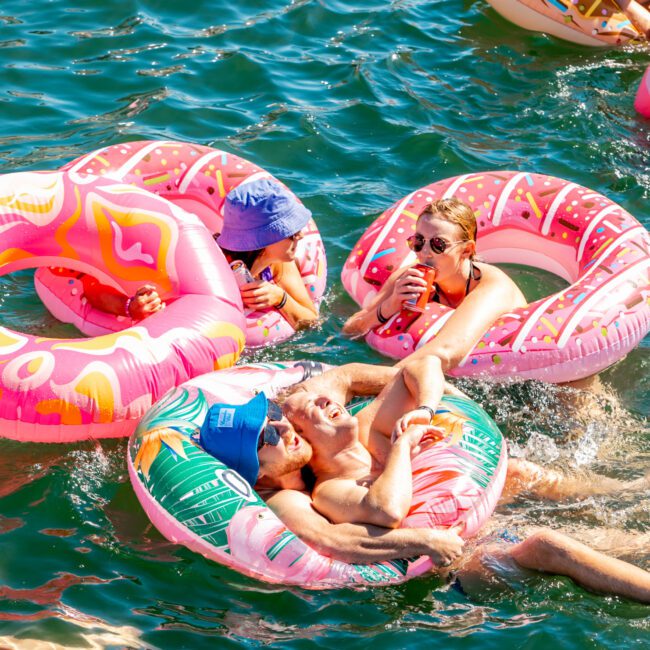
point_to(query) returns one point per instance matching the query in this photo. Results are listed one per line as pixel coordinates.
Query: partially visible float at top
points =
(197, 179)
(599, 23)
(535, 220)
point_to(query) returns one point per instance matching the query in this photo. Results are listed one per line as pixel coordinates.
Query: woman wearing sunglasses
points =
(445, 240)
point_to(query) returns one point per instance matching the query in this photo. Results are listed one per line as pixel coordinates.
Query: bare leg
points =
(537, 481)
(548, 551)
(553, 552)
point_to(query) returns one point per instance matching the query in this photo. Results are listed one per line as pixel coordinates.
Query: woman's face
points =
(446, 235)
(283, 250)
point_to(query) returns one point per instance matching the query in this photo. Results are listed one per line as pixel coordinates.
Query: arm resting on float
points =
(494, 296)
(144, 302)
(356, 543)
(298, 309)
(344, 382)
(367, 318)
(639, 16)
(103, 297)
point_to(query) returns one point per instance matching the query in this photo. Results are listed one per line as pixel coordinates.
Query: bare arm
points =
(384, 503)
(365, 319)
(298, 308)
(639, 16)
(143, 303)
(352, 379)
(420, 383)
(495, 295)
(360, 543)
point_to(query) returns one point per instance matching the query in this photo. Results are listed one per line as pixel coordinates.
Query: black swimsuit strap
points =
(474, 274)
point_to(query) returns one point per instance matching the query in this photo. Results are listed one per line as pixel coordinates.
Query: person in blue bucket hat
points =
(262, 224)
(246, 436)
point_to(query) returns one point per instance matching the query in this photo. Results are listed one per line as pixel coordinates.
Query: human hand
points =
(416, 435)
(144, 302)
(408, 286)
(445, 546)
(414, 416)
(261, 294)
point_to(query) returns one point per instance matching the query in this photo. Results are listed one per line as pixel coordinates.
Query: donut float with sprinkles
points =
(196, 178)
(536, 220)
(598, 23)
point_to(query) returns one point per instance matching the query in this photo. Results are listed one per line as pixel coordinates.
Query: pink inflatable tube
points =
(642, 100)
(63, 390)
(194, 500)
(197, 179)
(540, 221)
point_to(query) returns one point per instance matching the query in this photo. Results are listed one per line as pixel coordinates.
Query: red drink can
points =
(420, 304)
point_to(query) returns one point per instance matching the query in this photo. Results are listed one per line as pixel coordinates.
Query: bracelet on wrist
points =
(380, 317)
(127, 307)
(282, 302)
(424, 407)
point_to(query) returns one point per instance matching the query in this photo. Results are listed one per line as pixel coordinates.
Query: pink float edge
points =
(642, 101)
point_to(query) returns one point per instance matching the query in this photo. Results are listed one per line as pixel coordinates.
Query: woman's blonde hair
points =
(455, 211)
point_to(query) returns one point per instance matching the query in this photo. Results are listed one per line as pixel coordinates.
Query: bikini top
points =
(474, 274)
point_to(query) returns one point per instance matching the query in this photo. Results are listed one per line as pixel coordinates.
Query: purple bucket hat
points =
(258, 214)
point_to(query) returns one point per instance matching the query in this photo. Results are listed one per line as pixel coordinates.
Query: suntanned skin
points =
(545, 550)
(281, 485)
(143, 303)
(352, 485)
(488, 299)
(639, 16)
(343, 383)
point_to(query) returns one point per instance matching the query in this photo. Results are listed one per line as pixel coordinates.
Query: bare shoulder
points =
(288, 505)
(493, 281)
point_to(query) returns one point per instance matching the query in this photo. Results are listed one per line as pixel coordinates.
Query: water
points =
(353, 105)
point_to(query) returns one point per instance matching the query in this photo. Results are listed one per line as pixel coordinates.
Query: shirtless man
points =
(353, 485)
(343, 383)
(286, 493)
(265, 449)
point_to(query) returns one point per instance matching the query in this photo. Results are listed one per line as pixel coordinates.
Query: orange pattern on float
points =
(62, 390)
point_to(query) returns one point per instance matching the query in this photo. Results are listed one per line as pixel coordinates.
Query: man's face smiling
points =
(317, 417)
(290, 454)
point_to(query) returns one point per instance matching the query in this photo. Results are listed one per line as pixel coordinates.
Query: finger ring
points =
(446, 563)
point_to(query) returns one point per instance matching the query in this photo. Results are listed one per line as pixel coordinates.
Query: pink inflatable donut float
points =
(195, 500)
(63, 390)
(642, 100)
(599, 24)
(196, 178)
(540, 221)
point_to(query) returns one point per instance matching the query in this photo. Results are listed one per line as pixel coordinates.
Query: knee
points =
(541, 549)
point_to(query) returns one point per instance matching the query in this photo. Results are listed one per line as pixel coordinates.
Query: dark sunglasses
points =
(438, 244)
(270, 434)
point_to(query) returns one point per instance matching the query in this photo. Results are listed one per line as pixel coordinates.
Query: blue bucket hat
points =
(230, 433)
(258, 214)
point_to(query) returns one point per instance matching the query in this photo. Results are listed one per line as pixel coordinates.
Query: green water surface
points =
(352, 104)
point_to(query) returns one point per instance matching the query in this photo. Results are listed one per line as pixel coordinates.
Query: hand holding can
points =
(242, 274)
(420, 303)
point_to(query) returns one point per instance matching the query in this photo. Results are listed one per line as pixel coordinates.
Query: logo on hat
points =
(226, 418)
